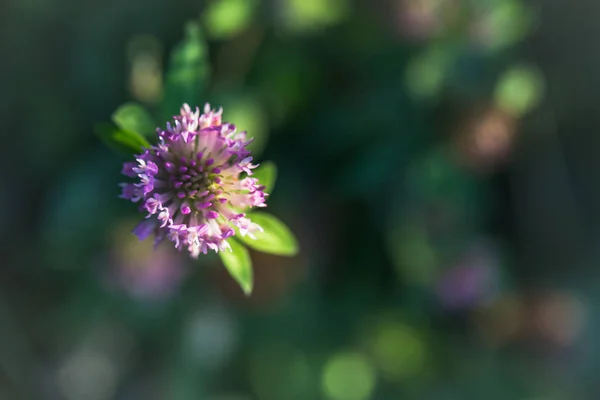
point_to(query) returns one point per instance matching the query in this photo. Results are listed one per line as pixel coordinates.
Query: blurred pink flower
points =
(140, 272)
(152, 278)
(472, 281)
(424, 19)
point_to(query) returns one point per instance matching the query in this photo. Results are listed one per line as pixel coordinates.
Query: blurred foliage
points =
(133, 117)
(226, 18)
(519, 90)
(276, 237)
(122, 140)
(435, 159)
(187, 72)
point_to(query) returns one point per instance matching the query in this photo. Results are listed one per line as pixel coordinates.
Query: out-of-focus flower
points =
(550, 317)
(471, 282)
(154, 277)
(423, 19)
(141, 273)
(461, 286)
(559, 317)
(192, 184)
(485, 139)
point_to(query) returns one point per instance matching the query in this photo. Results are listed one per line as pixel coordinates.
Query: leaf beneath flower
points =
(277, 238)
(239, 265)
(266, 174)
(135, 118)
(120, 140)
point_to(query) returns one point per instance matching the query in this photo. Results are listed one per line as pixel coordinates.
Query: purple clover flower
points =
(196, 184)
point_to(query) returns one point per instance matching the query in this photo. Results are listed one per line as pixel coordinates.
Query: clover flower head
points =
(196, 184)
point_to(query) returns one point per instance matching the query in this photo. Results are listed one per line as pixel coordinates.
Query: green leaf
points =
(133, 117)
(238, 263)
(266, 174)
(188, 69)
(277, 238)
(123, 141)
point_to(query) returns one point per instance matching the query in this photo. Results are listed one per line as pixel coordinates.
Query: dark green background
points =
(449, 241)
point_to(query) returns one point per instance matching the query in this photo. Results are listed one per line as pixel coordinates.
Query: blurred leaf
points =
(123, 141)
(276, 238)
(183, 382)
(425, 74)
(306, 15)
(146, 68)
(238, 263)
(187, 74)
(288, 81)
(135, 118)
(247, 115)
(225, 18)
(519, 90)
(413, 256)
(506, 23)
(442, 205)
(266, 174)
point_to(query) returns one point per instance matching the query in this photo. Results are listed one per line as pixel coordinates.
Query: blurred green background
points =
(438, 162)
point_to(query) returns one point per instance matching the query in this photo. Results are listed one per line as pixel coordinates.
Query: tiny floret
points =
(195, 186)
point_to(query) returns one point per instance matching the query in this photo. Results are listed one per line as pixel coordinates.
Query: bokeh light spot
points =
(226, 18)
(503, 24)
(560, 317)
(425, 74)
(88, 375)
(146, 75)
(413, 256)
(307, 15)
(399, 350)
(519, 90)
(348, 376)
